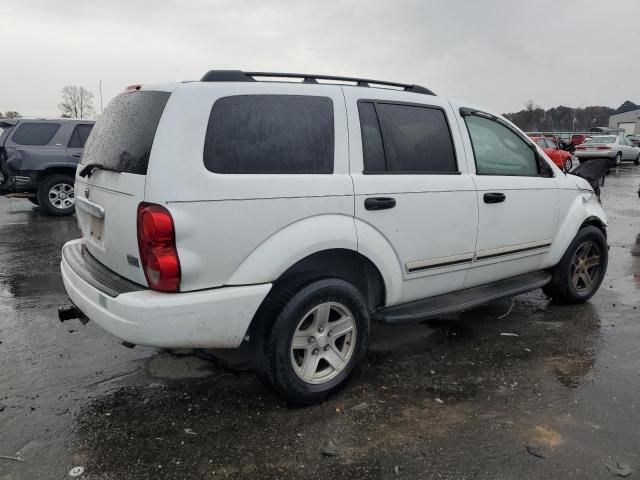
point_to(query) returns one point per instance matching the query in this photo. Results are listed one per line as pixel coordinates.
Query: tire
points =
(569, 283)
(34, 200)
(321, 362)
(618, 160)
(56, 196)
(637, 160)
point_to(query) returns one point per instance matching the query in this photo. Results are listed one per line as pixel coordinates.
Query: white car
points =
(616, 148)
(292, 214)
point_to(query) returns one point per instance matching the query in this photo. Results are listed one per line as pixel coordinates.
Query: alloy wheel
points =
(323, 343)
(585, 267)
(61, 196)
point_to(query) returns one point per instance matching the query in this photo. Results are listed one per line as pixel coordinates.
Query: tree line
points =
(558, 119)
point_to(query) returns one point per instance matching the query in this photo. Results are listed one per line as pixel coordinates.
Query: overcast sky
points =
(496, 53)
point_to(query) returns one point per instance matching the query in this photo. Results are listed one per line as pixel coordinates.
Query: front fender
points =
(583, 206)
(293, 243)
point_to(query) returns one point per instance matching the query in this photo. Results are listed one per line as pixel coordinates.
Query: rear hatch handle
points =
(88, 169)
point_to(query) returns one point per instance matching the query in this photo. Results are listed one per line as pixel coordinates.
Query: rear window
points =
(79, 136)
(35, 133)
(270, 134)
(597, 140)
(122, 137)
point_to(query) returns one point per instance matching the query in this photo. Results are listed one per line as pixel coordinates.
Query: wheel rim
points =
(61, 196)
(585, 267)
(618, 159)
(567, 164)
(323, 343)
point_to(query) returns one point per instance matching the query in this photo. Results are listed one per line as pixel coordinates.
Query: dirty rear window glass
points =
(35, 133)
(270, 134)
(122, 137)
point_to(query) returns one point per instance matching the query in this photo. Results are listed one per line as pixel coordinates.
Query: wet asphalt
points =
(451, 399)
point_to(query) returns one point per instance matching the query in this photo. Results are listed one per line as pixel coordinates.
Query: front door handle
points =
(77, 154)
(494, 197)
(379, 203)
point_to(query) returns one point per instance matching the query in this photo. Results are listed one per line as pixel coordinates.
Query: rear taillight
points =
(157, 245)
(581, 148)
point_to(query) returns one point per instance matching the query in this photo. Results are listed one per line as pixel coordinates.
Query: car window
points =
(79, 136)
(498, 150)
(551, 144)
(541, 142)
(35, 133)
(285, 134)
(372, 147)
(416, 139)
(600, 140)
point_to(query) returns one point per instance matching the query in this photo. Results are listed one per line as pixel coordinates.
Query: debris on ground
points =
(507, 334)
(439, 401)
(330, 449)
(189, 431)
(15, 459)
(360, 406)
(535, 451)
(76, 471)
(620, 469)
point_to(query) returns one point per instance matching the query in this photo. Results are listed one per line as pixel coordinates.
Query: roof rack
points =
(240, 76)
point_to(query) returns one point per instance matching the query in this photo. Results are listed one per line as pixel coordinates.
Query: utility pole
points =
(100, 86)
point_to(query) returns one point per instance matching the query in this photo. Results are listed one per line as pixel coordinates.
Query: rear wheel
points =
(56, 195)
(618, 160)
(318, 339)
(580, 272)
(567, 164)
(637, 160)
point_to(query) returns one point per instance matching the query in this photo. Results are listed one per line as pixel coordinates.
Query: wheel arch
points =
(57, 170)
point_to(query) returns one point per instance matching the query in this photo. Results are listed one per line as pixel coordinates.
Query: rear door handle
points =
(494, 197)
(379, 203)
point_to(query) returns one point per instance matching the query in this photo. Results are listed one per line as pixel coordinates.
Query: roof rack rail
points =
(240, 76)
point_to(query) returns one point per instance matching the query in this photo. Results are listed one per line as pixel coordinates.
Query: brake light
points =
(157, 246)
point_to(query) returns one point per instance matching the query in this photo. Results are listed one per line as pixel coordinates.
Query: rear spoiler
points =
(8, 122)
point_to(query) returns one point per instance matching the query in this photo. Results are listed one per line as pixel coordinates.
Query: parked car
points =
(579, 138)
(38, 160)
(560, 157)
(289, 216)
(615, 148)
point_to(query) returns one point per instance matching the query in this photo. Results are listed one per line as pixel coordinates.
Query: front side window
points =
(35, 133)
(79, 136)
(498, 150)
(270, 134)
(409, 138)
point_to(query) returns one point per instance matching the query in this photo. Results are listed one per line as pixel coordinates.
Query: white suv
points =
(291, 214)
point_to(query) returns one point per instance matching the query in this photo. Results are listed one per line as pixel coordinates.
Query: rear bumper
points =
(588, 155)
(216, 318)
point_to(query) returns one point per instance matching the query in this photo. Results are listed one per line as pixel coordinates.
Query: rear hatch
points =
(6, 125)
(110, 179)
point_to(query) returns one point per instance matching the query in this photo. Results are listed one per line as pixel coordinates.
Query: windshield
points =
(122, 137)
(600, 140)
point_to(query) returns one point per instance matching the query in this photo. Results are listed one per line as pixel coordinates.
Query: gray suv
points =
(38, 160)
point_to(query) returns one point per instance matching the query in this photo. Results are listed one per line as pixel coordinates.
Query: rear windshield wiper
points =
(88, 169)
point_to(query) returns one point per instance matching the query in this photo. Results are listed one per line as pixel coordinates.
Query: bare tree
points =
(77, 102)
(10, 114)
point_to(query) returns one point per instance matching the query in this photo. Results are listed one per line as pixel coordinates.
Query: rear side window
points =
(410, 139)
(35, 133)
(270, 134)
(122, 137)
(79, 136)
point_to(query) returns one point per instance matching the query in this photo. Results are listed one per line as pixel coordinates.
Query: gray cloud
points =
(497, 53)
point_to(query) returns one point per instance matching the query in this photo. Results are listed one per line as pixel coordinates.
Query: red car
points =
(560, 157)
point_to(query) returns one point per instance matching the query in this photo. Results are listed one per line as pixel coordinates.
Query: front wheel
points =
(56, 195)
(580, 272)
(316, 343)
